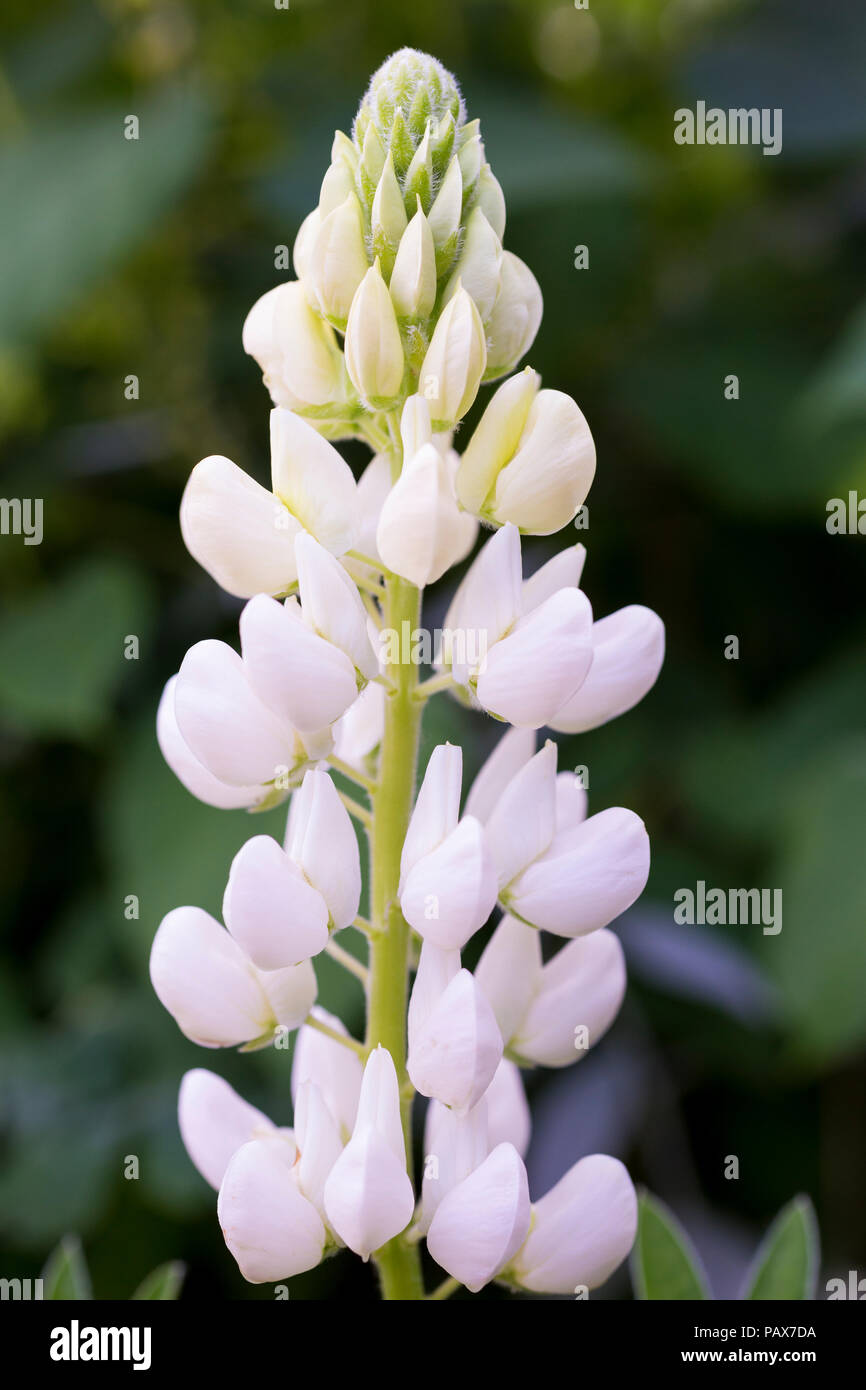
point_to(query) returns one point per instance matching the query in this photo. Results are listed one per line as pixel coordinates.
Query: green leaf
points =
(664, 1263)
(163, 1284)
(62, 651)
(65, 1274)
(786, 1264)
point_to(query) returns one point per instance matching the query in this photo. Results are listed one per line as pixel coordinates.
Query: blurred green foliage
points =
(141, 258)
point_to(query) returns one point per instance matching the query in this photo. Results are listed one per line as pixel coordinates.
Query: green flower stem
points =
(399, 1262)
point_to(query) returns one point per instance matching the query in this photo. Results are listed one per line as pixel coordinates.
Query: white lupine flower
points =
(589, 875)
(216, 995)
(296, 350)
(238, 531)
(186, 766)
(582, 1229)
(454, 365)
(313, 481)
(228, 729)
(454, 1043)
(482, 1222)
(422, 531)
(531, 657)
(413, 279)
(300, 676)
(374, 349)
(454, 1146)
(491, 200)
(508, 1117)
(336, 261)
(303, 247)
(272, 1230)
(319, 1141)
(215, 1121)
(273, 913)
(531, 460)
(331, 606)
(448, 882)
(628, 650)
(515, 317)
(550, 1014)
(334, 1069)
(368, 1195)
(388, 214)
(444, 216)
(321, 840)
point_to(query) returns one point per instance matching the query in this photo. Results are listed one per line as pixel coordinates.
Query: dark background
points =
(121, 258)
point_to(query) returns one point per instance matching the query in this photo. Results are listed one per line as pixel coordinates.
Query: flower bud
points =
(491, 200)
(337, 261)
(415, 429)
(421, 531)
(418, 182)
(445, 214)
(388, 216)
(320, 1143)
(215, 1121)
(295, 349)
(374, 350)
(321, 840)
(368, 1197)
(488, 600)
(415, 88)
(331, 606)
(508, 1117)
(478, 266)
(302, 250)
(437, 806)
(509, 973)
(273, 913)
(511, 753)
(334, 1069)
(522, 824)
(454, 1146)
(313, 481)
(515, 317)
(496, 439)
(576, 1000)
(237, 530)
(372, 163)
(589, 875)
(583, 1228)
(471, 156)
(455, 361)
(337, 185)
(413, 279)
(217, 997)
(628, 651)
(269, 1226)
(482, 1222)
(360, 731)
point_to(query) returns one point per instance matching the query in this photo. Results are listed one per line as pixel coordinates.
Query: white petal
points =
(508, 1117)
(454, 1146)
(436, 970)
(368, 1196)
(421, 531)
(224, 723)
(215, 1121)
(337, 260)
(318, 1136)
(456, 1051)
(335, 1069)
(584, 1227)
(323, 843)
(489, 597)
(509, 973)
(523, 821)
(628, 651)
(437, 806)
(591, 873)
(450, 892)
(373, 347)
(301, 677)
(291, 992)
(413, 279)
(516, 316)
(454, 365)
(562, 572)
(496, 438)
(273, 913)
(571, 800)
(511, 753)
(270, 1228)
(546, 482)
(313, 480)
(479, 264)
(206, 982)
(294, 347)
(482, 1222)
(237, 530)
(379, 1101)
(186, 766)
(581, 988)
(549, 652)
(362, 727)
(332, 606)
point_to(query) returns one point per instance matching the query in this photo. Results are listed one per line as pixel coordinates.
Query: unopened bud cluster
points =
(405, 302)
